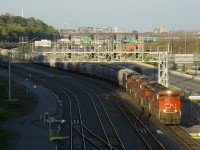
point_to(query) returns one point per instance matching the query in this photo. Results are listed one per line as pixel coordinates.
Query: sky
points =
(128, 15)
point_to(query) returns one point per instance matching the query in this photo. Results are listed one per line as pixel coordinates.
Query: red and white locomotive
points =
(160, 101)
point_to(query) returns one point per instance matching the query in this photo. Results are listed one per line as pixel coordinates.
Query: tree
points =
(184, 68)
(174, 66)
(13, 27)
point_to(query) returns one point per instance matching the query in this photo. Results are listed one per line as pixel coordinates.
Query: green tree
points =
(13, 27)
(183, 68)
(174, 66)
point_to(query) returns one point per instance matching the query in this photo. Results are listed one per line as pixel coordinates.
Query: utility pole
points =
(9, 80)
(197, 48)
(185, 50)
(32, 40)
(9, 77)
(9, 48)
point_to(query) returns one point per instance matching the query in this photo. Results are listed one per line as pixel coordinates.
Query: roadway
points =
(28, 135)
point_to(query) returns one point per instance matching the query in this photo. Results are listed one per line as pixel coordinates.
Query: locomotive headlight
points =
(164, 110)
(175, 110)
(169, 92)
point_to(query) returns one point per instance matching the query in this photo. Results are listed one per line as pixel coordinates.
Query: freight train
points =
(157, 99)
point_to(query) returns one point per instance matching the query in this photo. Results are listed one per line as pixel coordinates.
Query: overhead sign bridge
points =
(99, 48)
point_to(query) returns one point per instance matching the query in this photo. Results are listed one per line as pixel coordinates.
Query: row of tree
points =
(14, 27)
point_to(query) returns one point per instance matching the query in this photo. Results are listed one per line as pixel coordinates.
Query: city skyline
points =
(128, 15)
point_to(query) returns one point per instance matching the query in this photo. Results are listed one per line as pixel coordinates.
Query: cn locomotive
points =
(160, 101)
(157, 99)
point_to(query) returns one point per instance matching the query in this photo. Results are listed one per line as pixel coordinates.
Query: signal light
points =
(115, 55)
(92, 37)
(136, 55)
(69, 55)
(136, 37)
(115, 37)
(70, 37)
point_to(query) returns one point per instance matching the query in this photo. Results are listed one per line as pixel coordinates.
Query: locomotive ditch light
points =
(175, 110)
(164, 110)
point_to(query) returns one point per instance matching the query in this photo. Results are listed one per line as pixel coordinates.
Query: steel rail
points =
(184, 138)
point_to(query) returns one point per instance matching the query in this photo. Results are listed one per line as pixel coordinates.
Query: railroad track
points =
(135, 120)
(111, 136)
(138, 127)
(184, 138)
(77, 123)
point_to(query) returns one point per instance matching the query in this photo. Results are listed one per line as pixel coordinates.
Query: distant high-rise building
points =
(160, 29)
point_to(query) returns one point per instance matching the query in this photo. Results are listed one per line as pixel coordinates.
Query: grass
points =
(4, 136)
(10, 110)
(180, 45)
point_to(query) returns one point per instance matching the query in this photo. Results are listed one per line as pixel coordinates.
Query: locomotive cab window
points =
(176, 96)
(163, 96)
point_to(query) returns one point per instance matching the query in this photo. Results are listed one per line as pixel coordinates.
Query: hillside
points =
(13, 27)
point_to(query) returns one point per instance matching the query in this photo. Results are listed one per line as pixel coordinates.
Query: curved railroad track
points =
(112, 140)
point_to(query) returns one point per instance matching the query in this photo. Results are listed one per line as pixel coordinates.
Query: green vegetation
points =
(4, 136)
(174, 66)
(13, 27)
(9, 110)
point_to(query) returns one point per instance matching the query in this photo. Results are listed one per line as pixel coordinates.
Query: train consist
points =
(158, 100)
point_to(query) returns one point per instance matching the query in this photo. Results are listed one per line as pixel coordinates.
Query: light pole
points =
(185, 48)
(9, 72)
(32, 42)
(197, 45)
(9, 80)
(27, 86)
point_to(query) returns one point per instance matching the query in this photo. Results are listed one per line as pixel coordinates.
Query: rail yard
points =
(101, 102)
(105, 118)
(99, 75)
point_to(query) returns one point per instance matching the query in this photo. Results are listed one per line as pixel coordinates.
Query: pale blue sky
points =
(141, 15)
